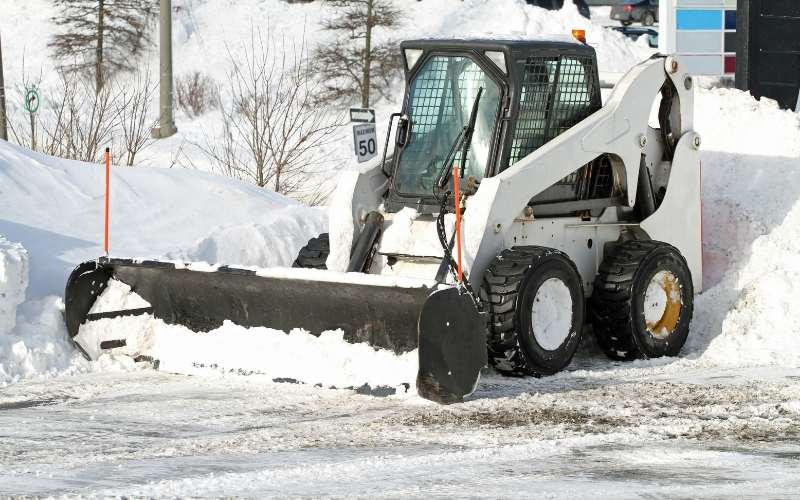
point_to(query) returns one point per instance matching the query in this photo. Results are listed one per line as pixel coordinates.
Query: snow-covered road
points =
(648, 430)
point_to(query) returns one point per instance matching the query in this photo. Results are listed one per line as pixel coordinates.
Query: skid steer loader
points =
(514, 209)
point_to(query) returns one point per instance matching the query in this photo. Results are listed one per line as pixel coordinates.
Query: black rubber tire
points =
(315, 253)
(648, 19)
(510, 285)
(617, 307)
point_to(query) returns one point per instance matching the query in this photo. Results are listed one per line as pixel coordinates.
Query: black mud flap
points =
(452, 346)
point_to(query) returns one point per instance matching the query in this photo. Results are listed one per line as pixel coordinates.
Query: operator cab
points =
(517, 94)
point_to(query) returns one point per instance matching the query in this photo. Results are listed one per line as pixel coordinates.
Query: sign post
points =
(31, 105)
(365, 137)
(108, 193)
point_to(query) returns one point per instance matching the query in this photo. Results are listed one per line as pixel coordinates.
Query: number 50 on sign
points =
(365, 141)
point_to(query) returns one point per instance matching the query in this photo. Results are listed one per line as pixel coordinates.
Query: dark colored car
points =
(583, 8)
(636, 33)
(640, 11)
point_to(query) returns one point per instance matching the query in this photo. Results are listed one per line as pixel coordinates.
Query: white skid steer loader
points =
(514, 209)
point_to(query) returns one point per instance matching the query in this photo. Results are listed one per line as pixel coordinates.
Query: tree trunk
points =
(367, 57)
(3, 126)
(98, 69)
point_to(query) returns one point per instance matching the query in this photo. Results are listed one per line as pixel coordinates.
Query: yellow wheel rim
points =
(662, 304)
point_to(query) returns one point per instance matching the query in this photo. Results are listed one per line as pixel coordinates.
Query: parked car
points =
(640, 11)
(635, 33)
(583, 7)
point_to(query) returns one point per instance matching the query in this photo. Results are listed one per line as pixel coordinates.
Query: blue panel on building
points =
(690, 19)
(730, 19)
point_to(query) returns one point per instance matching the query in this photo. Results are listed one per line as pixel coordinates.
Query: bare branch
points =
(272, 134)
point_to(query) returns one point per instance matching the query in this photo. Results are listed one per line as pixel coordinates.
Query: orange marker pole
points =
(457, 203)
(108, 190)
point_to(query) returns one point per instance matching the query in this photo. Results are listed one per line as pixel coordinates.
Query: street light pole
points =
(166, 125)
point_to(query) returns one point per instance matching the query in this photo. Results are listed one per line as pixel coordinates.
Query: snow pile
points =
(32, 334)
(39, 346)
(275, 243)
(296, 356)
(53, 207)
(405, 235)
(515, 19)
(13, 282)
(751, 193)
(327, 360)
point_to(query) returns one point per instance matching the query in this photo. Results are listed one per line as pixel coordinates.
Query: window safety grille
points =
(556, 93)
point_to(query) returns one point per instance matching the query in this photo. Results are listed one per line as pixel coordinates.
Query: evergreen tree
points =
(101, 37)
(355, 66)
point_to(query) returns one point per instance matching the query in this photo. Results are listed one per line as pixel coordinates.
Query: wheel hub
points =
(551, 314)
(662, 304)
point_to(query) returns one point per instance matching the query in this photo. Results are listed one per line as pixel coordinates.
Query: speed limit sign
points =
(365, 141)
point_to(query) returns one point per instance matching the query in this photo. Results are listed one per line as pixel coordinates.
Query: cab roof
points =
(508, 44)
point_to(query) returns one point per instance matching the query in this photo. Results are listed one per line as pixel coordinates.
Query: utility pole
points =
(3, 126)
(166, 126)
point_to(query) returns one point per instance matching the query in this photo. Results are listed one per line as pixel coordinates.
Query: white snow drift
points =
(53, 208)
(13, 282)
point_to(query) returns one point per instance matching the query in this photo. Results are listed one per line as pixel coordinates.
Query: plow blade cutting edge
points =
(441, 322)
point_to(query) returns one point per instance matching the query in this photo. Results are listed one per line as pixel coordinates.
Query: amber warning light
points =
(579, 35)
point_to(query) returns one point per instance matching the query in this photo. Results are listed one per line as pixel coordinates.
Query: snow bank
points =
(32, 335)
(751, 195)
(13, 282)
(53, 207)
(39, 345)
(516, 19)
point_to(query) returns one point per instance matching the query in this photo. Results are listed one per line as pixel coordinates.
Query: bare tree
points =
(79, 122)
(101, 37)
(354, 66)
(272, 134)
(196, 93)
(132, 105)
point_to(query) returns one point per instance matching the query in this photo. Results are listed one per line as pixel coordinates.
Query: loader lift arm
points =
(619, 130)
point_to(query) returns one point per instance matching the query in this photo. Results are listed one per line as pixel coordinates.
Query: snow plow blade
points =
(400, 319)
